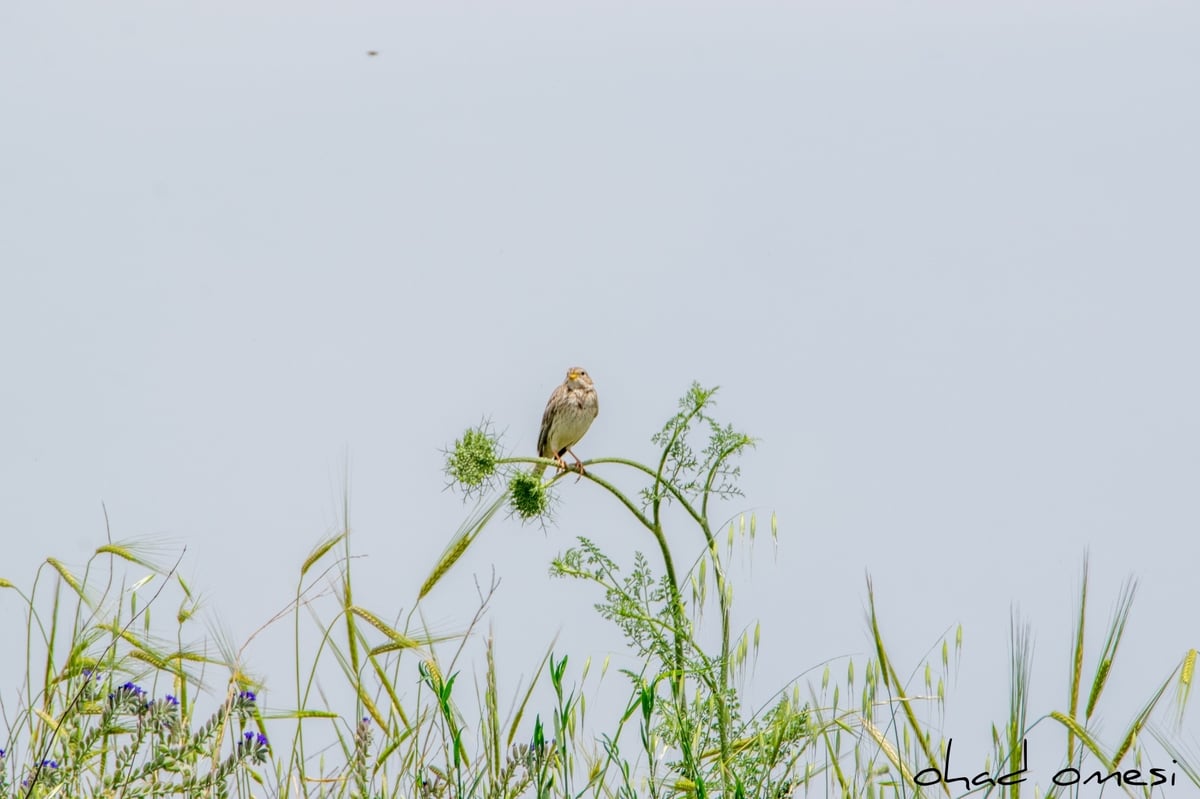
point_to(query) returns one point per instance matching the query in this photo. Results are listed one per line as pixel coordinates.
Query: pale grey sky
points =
(941, 258)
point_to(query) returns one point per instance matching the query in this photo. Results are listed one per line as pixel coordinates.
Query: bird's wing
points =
(543, 444)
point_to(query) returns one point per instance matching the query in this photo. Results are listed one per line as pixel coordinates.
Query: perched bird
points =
(569, 414)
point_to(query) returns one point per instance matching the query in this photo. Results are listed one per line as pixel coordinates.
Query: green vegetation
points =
(111, 707)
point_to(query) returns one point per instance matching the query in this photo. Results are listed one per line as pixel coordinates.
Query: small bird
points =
(569, 414)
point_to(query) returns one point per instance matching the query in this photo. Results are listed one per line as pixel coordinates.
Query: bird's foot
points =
(578, 466)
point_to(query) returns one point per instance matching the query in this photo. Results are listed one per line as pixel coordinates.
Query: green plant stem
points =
(678, 684)
(723, 604)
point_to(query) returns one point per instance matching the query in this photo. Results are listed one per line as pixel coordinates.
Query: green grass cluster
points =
(113, 706)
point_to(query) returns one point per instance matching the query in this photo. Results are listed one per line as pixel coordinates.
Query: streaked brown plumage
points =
(569, 414)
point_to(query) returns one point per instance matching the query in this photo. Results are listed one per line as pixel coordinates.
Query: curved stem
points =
(675, 493)
(654, 525)
(723, 601)
(671, 488)
(678, 683)
(683, 424)
(612, 489)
